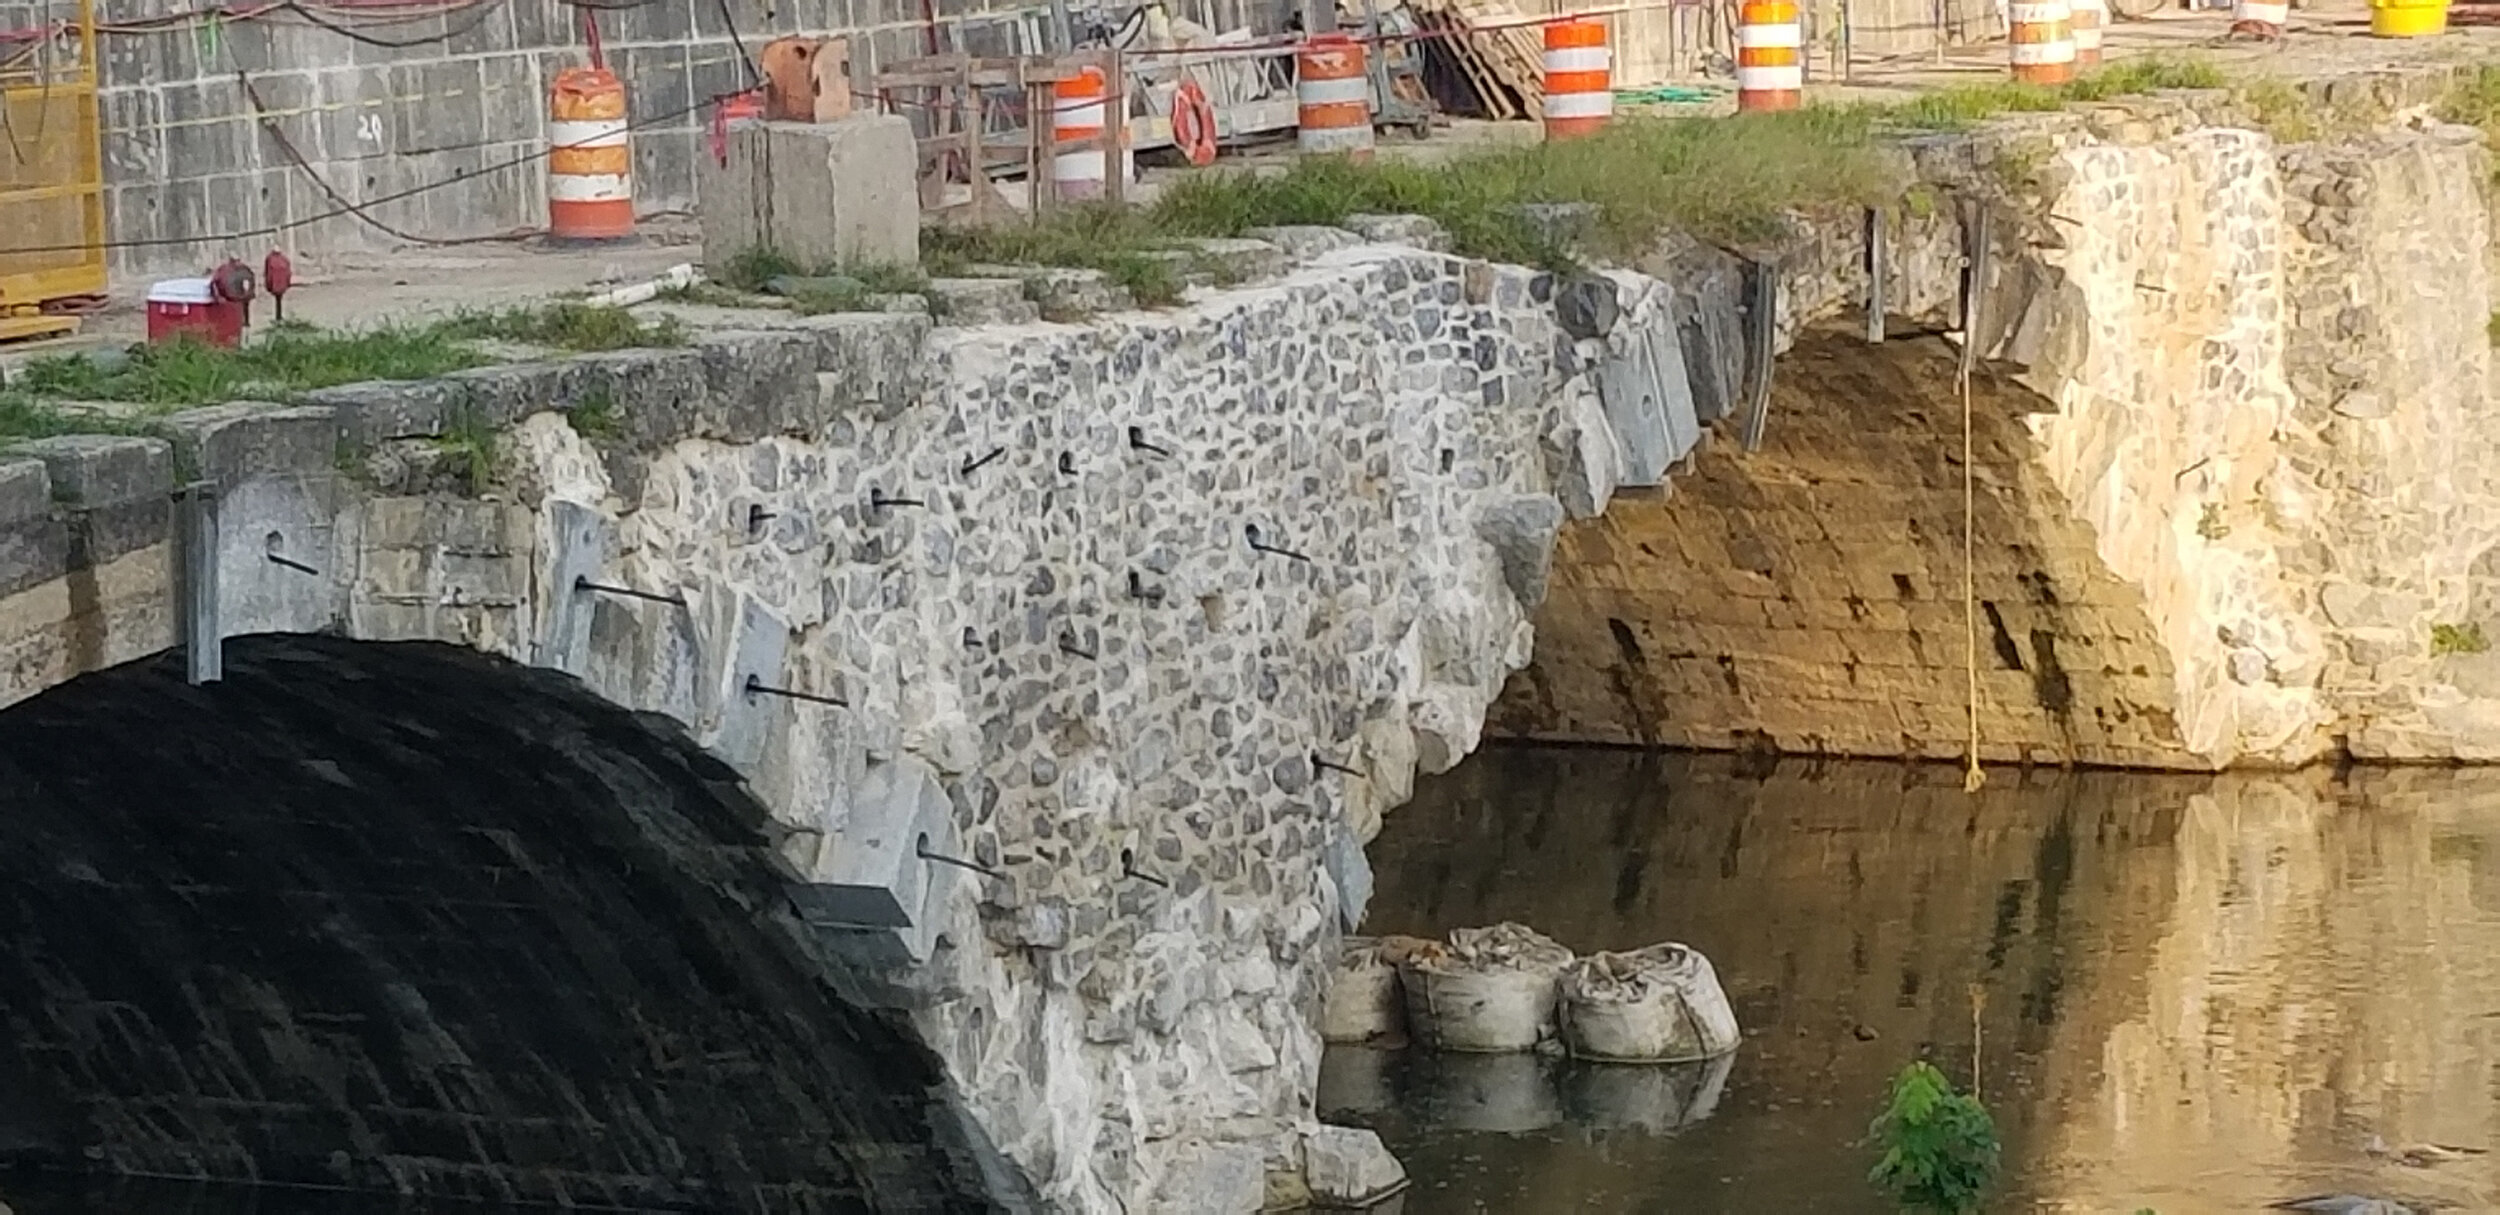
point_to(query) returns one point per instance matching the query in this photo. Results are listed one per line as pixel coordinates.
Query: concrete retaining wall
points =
(185, 154)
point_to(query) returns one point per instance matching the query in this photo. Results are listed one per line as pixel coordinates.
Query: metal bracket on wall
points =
(1761, 340)
(1877, 268)
(203, 643)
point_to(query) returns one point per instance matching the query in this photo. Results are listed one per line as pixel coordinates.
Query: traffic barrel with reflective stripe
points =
(1579, 78)
(1077, 112)
(1335, 97)
(1770, 56)
(590, 159)
(2265, 20)
(2090, 17)
(2043, 41)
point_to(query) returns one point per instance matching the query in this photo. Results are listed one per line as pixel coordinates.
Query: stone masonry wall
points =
(1022, 558)
(1807, 597)
(2259, 375)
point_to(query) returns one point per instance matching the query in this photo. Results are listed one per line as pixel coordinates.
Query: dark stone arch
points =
(406, 918)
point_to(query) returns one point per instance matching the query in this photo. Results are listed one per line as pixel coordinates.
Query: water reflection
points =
(2192, 993)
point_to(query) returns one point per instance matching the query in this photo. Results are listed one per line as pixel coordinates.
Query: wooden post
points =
(1115, 128)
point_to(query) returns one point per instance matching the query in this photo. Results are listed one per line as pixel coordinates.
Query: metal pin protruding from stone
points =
(1128, 868)
(1137, 589)
(755, 686)
(973, 466)
(972, 638)
(756, 515)
(1068, 645)
(878, 501)
(922, 850)
(1325, 764)
(1067, 463)
(1256, 545)
(277, 542)
(585, 584)
(1137, 441)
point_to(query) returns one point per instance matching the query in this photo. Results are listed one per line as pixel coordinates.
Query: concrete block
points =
(34, 542)
(757, 650)
(835, 194)
(229, 444)
(578, 543)
(659, 395)
(277, 568)
(498, 396)
(378, 410)
(104, 470)
(120, 487)
(867, 361)
(760, 382)
(870, 873)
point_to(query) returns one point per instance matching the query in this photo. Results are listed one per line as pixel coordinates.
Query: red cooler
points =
(189, 306)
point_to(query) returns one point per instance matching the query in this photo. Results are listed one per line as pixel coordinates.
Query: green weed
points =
(469, 438)
(1940, 1151)
(2458, 639)
(595, 416)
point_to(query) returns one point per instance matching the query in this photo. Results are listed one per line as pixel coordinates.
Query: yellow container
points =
(2408, 18)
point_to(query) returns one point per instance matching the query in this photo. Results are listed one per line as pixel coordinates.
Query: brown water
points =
(2198, 993)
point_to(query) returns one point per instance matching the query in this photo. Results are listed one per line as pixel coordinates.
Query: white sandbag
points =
(1363, 1004)
(1661, 1004)
(1486, 990)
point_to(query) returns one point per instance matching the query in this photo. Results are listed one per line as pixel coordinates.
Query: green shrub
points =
(1940, 1150)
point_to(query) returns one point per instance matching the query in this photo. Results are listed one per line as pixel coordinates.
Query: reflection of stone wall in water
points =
(1889, 877)
(2328, 971)
(2203, 992)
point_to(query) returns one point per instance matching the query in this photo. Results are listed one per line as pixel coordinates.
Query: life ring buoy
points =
(1193, 124)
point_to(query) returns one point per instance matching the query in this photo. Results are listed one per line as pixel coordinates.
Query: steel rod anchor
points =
(290, 563)
(1128, 868)
(1325, 764)
(755, 686)
(973, 466)
(878, 501)
(1256, 545)
(1137, 441)
(922, 851)
(1068, 645)
(1137, 589)
(585, 584)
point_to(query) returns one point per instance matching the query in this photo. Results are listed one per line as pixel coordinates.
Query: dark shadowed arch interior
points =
(408, 919)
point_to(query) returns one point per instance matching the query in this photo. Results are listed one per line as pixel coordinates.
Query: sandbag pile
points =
(1508, 989)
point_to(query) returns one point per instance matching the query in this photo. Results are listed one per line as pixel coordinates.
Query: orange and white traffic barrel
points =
(1335, 97)
(2043, 41)
(2089, 18)
(2251, 19)
(1078, 112)
(1579, 78)
(590, 160)
(1770, 56)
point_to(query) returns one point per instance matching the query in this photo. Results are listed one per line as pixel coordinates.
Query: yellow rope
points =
(1972, 775)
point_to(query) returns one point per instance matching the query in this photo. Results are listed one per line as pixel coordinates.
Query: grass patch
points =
(2473, 99)
(1135, 249)
(595, 416)
(2464, 638)
(291, 358)
(1725, 179)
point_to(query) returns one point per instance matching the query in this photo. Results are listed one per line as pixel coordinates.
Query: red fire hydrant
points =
(277, 277)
